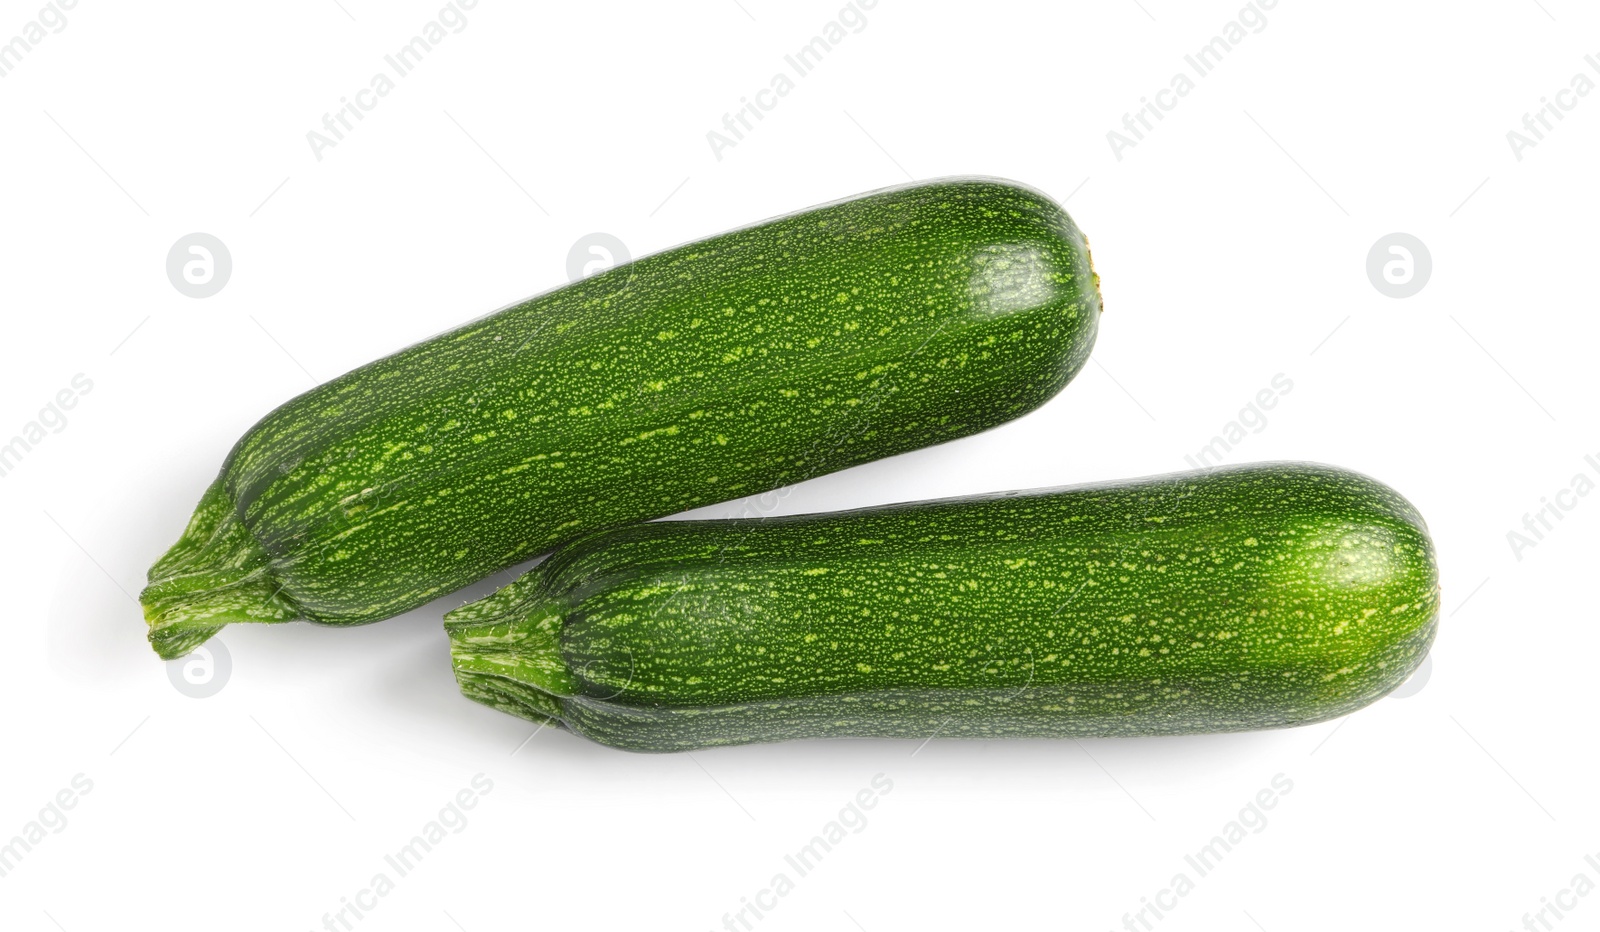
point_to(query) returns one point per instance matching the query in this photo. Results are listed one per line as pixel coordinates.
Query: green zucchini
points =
(1250, 597)
(727, 367)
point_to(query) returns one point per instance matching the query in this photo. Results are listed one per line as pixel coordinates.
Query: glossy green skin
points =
(1250, 597)
(723, 368)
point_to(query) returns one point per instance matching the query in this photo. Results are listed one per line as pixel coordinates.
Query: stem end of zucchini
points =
(214, 575)
(1094, 277)
(506, 650)
(174, 641)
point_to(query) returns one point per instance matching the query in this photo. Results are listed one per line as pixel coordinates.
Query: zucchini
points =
(1250, 597)
(727, 367)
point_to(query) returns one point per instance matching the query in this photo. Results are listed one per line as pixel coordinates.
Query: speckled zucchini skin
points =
(723, 368)
(1250, 597)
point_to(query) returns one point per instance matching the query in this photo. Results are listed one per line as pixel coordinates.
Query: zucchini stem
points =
(1094, 277)
(506, 650)
(215, 574)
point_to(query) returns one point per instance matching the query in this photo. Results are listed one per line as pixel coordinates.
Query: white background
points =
(1232, 242)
